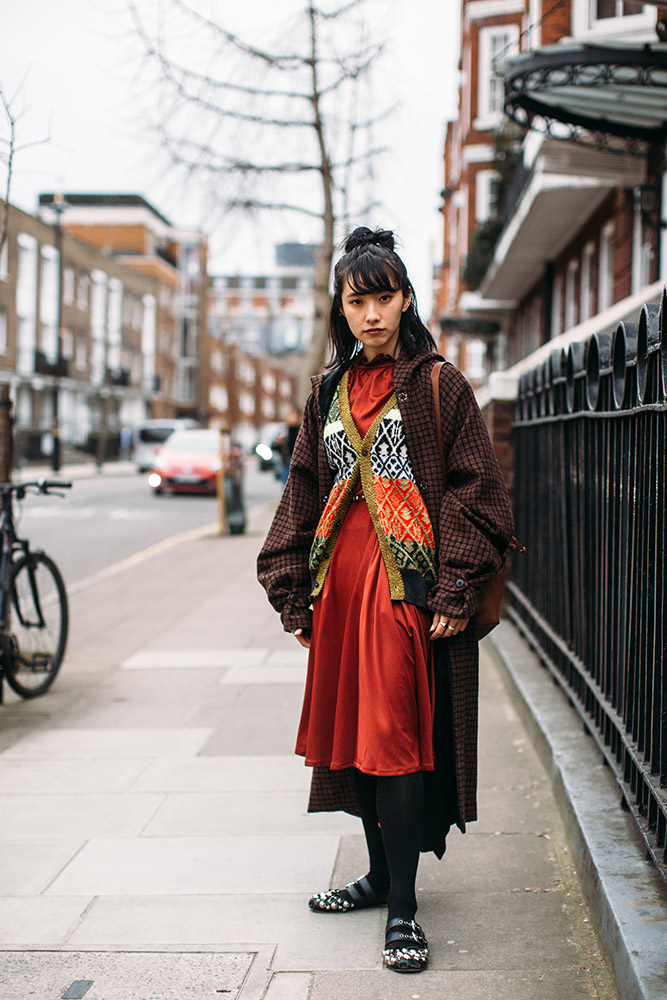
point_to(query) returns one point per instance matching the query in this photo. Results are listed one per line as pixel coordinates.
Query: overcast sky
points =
(75, 64)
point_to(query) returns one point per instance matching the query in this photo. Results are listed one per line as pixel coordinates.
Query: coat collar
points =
(405, 370)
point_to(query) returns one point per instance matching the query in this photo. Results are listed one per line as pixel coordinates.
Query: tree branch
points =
(254, 205)
(11, 120)
(351, 160)
(197, 155)
(168, 73)
(284, 62)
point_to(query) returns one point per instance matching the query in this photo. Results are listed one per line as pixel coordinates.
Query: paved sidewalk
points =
(153, 831)
(73, 471)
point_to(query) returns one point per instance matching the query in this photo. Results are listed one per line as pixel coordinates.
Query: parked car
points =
(152, 434)
(188, 462)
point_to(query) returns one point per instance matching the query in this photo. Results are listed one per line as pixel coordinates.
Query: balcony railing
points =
(58, 369)
(590, 478)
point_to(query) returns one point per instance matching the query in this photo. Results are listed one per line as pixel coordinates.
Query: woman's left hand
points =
(444, 627)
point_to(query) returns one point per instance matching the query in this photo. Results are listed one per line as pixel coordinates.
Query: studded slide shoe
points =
(358, 895)
(405, 946)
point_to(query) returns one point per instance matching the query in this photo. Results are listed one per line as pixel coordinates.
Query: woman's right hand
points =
(302, 637)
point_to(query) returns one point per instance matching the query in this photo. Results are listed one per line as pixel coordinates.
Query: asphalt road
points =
(105, 519)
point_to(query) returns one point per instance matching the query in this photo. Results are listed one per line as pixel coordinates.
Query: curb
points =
(628, 898)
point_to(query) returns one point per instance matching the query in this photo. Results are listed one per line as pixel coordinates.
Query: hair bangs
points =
(370, 274)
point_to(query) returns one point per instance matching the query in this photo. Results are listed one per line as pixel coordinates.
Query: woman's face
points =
(374, 319)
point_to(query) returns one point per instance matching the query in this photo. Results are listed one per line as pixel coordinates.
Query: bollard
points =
(5, 435)
(5, 457)
(220, 488)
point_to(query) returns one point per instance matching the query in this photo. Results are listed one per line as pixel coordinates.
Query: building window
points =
(571, 294)
(48, 305)
(68, 286)
(557, 307)
(495, 45)
(585, 288)
(476, 359)
(3, 331)
(611, 17)
(81, 353)
(4, 261)
(486, 195)
(616, 8)
(83, 292)
(606, 275)
(67, 346)
(26, 302)
(642, 251)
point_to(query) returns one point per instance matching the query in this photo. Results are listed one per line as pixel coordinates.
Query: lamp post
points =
(58, 207)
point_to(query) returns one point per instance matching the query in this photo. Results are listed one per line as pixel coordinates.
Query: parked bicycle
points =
(34, 616)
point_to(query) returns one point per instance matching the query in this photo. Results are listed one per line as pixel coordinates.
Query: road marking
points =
(139, 557)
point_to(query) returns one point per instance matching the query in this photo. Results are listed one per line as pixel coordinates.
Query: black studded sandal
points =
(358, 895)
(405, 946)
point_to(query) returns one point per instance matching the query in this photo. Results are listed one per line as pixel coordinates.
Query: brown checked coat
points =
(472, 524)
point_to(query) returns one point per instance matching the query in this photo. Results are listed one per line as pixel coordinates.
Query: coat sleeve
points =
(475, 520)
(282, 564)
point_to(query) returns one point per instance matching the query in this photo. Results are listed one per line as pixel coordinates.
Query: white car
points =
(152, 434)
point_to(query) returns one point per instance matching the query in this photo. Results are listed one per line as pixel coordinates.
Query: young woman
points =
(375, 564)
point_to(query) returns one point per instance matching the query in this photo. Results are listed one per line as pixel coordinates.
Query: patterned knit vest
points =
(380, 462)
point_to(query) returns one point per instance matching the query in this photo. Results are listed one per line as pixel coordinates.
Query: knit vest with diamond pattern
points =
(380, 462)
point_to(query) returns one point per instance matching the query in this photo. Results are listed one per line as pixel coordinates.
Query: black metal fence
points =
(589, 485)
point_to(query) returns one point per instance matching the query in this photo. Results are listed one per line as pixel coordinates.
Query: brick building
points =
(129, 229)
(98, 366)
(259, 327)
(540, 234)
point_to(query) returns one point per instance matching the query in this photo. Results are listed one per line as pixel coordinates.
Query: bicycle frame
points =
(11, 543)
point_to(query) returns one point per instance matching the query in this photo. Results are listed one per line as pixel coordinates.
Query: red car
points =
(188, 462)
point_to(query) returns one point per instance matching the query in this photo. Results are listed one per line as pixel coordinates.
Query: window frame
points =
(486, 117)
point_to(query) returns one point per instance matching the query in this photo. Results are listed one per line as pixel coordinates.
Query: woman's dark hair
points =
(370, 264)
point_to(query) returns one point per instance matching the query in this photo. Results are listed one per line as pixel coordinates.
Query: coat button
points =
(460, 583)
(402, 396)
(423, 484)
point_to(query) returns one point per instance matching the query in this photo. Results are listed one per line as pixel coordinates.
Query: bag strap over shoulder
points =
(514, 544)
(435, 382)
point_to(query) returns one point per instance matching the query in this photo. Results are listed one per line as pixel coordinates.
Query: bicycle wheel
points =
(37, 625)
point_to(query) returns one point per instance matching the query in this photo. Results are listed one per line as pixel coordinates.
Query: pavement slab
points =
(53, 777)
(239, 814)
(225, 774)
(74, 744)
(119, 815)
(195, 865)
(39, 921)
(549, 984)
(127, 976)
(266, 674)
(29, 866)
(194, 659)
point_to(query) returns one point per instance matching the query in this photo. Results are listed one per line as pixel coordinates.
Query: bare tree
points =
(272, 127)
(9, 149)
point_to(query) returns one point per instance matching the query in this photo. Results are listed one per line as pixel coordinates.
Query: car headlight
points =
(155, 480)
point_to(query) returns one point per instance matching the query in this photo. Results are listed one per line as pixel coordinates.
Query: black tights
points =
(392, 811)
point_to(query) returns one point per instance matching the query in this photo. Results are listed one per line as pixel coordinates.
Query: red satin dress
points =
(369, 690)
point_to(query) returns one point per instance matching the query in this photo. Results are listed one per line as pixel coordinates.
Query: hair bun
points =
(363, 237)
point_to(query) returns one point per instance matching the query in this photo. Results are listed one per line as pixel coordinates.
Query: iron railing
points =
(589, 486)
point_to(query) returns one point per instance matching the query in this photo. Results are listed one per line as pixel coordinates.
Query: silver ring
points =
(451, 627)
